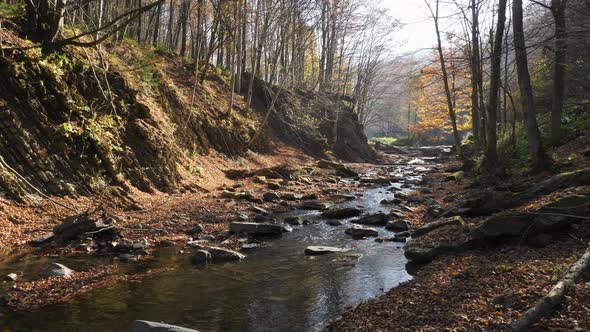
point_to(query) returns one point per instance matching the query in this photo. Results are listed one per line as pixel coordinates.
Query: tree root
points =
(549, 302)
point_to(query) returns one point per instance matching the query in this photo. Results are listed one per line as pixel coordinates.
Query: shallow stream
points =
(276, 288)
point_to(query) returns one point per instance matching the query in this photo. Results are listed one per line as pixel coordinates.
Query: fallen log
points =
(549, 302)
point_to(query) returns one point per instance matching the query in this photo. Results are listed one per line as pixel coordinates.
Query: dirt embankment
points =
(321, 124)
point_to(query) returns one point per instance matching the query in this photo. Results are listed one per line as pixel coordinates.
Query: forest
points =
(294, 165)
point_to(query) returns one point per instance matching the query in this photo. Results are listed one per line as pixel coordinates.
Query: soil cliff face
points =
(320, 124)
(79, 121)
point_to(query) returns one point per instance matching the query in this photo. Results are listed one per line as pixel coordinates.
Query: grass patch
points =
(385, 140)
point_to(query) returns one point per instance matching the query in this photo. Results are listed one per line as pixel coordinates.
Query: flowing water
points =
(276, 288)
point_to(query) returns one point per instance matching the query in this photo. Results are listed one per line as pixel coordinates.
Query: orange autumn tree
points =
(429, 99)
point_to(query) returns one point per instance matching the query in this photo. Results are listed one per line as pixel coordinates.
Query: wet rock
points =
(167, 243)
(271, 196)
(42, 239)
(379, 219)
(376, 180)
(255, 229)
(394, 201)
(346, 196)
(361, 232)
(249, 246)
(127, 257)
(219, 255)
(196, 229)
(403, 234)
(398, 226)
(314, 205)
(208, 237)
(13, 276)
(287, 228)
(201, 257)
(322, 250)
(138, 246)
(342, 213)
(258, 210)
(198, 244)
(333, 223)
(147, 326)
(399, 239)
(293, 221)
(58, 270)
(243, 217)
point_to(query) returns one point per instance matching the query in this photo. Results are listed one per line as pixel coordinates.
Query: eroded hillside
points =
(73, 122)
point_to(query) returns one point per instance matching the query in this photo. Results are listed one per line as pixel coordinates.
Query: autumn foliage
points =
(429, 98)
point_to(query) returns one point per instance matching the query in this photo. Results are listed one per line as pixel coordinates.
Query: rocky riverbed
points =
(338, 246)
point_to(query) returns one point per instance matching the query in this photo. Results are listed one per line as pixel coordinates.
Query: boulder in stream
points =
(201, 257)
(342, 213)
(57, 270)
(322, 250)
(314, 205)
(219, 255)
(379, 219)
(293, 221)
(147, 326)
(398, 226)
(361, 232)
(333, 223)
(256, 229)
(393, 201)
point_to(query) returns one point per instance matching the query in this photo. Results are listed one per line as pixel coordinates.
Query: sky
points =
(418, 30)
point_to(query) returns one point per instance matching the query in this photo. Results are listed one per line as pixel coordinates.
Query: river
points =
(276, 288)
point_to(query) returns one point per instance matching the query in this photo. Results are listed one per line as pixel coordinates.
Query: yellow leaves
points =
(430, 101)
(436, 291)
(502, 268)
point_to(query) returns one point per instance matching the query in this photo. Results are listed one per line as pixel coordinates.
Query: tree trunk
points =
(45, 19)
(475, 73)
(491, 153)
(452, 114)
(558, 11)
(540, 161)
